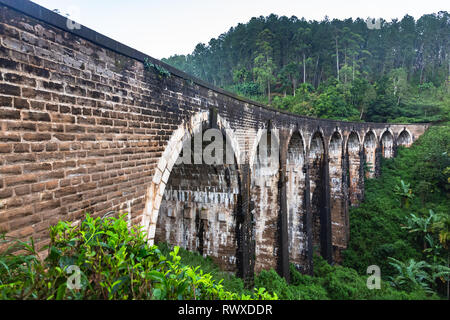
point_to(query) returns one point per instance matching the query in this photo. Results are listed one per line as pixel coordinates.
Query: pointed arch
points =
(370, 147)
(316, 164)
(387, 144)
(404, 138)
(185, 131)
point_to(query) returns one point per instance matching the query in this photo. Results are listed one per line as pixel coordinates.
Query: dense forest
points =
(341, 69)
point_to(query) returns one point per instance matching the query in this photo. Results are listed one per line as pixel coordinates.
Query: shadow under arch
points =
(295, 198)
(387, 144)
(404, 138)
(320, 222)
(370, 153)
(353, 156)
(192, 202)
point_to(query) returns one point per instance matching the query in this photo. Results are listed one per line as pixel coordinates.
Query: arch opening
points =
(295, 196)
(387, 145)
(404, 139)
(370, 146)
(200, 199)
(317, 192)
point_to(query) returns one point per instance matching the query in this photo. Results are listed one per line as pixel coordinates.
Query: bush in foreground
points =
(114, 262)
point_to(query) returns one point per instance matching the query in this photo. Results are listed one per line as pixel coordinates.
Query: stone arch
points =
(185, 131)
(404, 138)
(295, 196)
(201, 200)
(370, 147)
(354, 167)
(337, 203)
(264, 199)
(387, 144)
(317, 187)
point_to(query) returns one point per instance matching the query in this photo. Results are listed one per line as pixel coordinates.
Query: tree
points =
(398, 77)
(302, 38)
(264, 65)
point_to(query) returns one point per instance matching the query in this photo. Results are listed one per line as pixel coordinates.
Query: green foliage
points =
(230, 281)
(393, 74)
(417, 274)
(381, 228)
(115, 262)
(159, 70)
(405, 192)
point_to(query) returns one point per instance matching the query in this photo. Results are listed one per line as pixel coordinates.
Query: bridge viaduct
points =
(88, 124)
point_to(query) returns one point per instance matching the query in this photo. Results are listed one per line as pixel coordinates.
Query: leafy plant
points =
(405, 192)
(411, 274)
(115, 262)
(160, 70)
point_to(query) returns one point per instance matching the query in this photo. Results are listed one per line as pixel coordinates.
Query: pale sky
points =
(161, 28)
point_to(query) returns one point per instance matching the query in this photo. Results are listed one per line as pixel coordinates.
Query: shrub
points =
(115, 262)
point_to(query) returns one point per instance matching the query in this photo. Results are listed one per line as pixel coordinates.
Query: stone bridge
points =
(91, 125)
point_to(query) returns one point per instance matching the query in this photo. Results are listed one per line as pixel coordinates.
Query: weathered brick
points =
(21, 147)
(35, 116)
(9, 114)
(64, 164)
(21, 103)
(9, 137)
(23, 179)
(37, 105)
(39, 72)
(37, 147)
(65, 192)
(36, 136)
(64, 137)
(5, 148)
(5, 101)
(63, 118)
(51, 185)
(21, 126)
(54, 86)
(75, 129)
(11, 169)
(9, 64)
(22, 190)
(38, 187)
(20, 79)
(6, 193)
(37, 167)
(9, 89)
(36, 94)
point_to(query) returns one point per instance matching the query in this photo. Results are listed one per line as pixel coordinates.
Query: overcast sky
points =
(161, 28)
